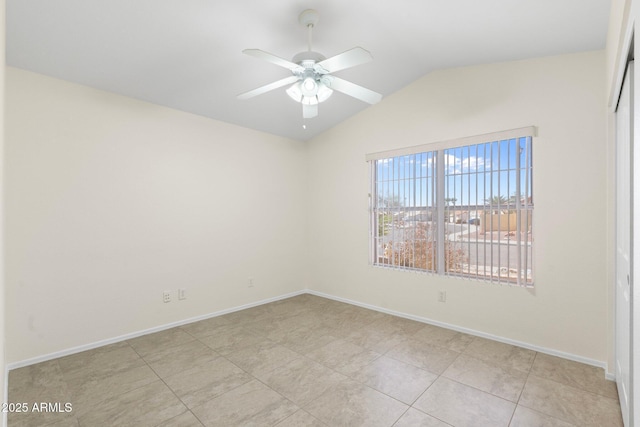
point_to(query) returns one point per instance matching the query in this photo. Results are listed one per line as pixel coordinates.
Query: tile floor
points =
(310, 361)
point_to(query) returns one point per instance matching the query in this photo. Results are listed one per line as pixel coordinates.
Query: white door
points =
(624, 135)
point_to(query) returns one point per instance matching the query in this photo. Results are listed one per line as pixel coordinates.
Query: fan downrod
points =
(308, 18)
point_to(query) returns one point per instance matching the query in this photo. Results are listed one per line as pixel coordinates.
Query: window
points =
(458, 208)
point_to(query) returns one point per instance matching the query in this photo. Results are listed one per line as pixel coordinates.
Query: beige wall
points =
(564, 97)
(110, 201)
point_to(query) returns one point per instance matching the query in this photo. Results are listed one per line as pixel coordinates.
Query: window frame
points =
(439, 238)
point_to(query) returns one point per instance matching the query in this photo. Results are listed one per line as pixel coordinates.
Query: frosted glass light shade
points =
(298, 93)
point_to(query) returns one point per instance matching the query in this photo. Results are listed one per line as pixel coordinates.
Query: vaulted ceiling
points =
(187, 54)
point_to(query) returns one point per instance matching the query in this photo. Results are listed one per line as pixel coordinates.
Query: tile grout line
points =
(167, 386)
(340, 318)
(535, 356)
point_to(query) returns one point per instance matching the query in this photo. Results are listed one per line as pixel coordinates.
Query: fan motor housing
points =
(308, 57)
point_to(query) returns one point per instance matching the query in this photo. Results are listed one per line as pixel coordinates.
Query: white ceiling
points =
(187, 54)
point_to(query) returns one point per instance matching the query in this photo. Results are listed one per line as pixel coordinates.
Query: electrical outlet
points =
(166, 296)
(182, 294)
(442, 296)
(250, 282)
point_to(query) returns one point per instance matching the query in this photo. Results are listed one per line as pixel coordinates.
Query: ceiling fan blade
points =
(348, 59)
(267, 88)
(261, 54)
(352, 89)
(309, 111)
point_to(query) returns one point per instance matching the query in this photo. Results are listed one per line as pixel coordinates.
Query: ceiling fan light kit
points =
(312, 82)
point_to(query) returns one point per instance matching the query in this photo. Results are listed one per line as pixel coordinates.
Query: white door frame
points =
(626, 46)
(635, 245)
(624, 366)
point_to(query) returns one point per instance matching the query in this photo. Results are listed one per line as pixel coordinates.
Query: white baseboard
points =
(526, 345)
(91, 346)
(552, 352)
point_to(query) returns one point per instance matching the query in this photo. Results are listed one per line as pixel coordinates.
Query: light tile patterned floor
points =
(310, 361)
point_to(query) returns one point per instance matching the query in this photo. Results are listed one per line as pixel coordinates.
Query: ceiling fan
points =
(312, 82)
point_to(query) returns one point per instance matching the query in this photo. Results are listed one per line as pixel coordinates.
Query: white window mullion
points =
(483, 220)
(392, 194)
(509, 225)
(518, 214)
(435, 219)
(469, 206)
(499, 215)
(476, 224)
(491, 213)
(440, 208)
(412, 203)
(373, 226)
(527, 194)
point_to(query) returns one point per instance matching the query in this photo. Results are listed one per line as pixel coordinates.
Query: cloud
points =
(473, 163)
(453, 163)
(466, 164)
(428, 162)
